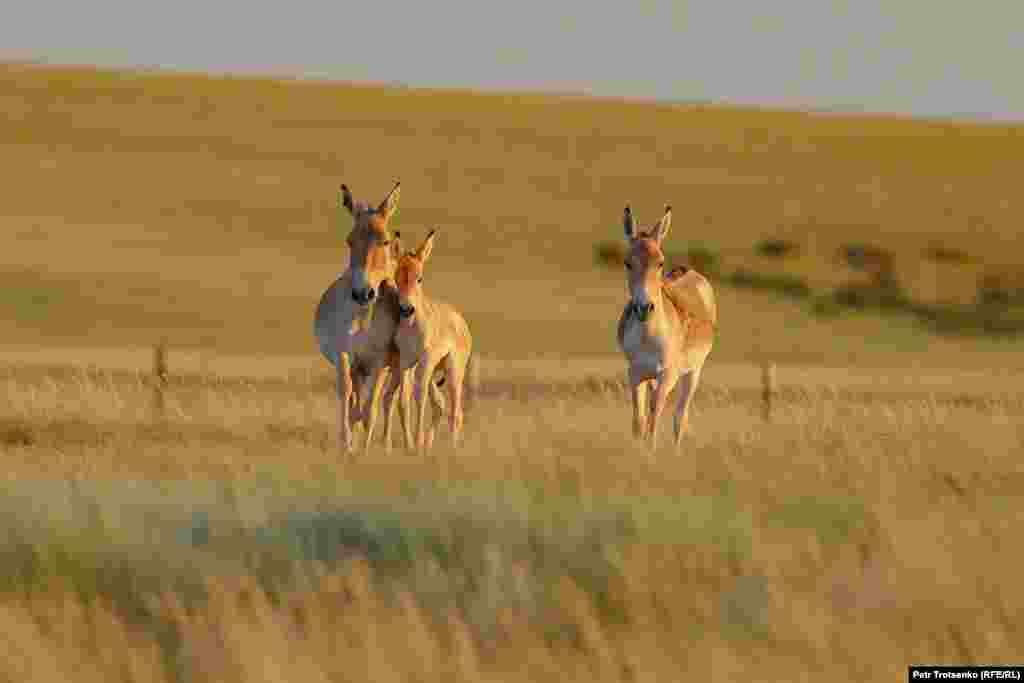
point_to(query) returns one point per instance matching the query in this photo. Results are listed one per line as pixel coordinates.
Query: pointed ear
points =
(390, 204)
(423, 253)
(659, 231)
(628, 224)
(346, 199)
(396, 246)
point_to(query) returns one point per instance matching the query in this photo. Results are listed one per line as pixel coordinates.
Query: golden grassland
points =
(201, 209)
(871, 524)
(228, 541)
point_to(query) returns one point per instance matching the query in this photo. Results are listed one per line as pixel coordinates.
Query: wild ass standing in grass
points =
(359, 344)
(357, 337)
(431, 336)
(666, 330)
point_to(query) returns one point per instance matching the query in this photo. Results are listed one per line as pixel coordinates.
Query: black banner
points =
(936, 674)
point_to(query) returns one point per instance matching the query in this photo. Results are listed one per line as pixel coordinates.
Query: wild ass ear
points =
(628, 224)
(346, 199)
(396, 246)
(423, 253)
(390, 204)
(659, 231)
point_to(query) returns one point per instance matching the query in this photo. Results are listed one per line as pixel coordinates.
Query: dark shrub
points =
(776, 248)
(789, 285)
(609, 253)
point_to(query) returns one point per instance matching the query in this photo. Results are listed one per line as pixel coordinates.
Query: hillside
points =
(200, 209)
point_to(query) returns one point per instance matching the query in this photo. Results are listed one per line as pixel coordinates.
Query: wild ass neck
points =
(659, 322)
(364, 328)
(422, 329)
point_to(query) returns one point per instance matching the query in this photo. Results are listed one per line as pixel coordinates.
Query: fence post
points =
(768, 385)
(159, 379)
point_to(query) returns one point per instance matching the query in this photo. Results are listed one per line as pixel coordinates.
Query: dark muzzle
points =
(405, 310)
(641, 312)
(363, 296)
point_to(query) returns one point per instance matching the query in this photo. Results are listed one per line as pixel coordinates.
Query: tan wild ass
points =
(666, 331)
(357, 343)
(431, 335)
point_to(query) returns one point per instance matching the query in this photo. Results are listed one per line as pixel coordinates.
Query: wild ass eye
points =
(628, 266)
(419, 280)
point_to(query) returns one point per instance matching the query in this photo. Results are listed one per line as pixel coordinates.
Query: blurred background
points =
(201, 209)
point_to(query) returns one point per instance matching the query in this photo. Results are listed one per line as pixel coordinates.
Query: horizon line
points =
(318, 77)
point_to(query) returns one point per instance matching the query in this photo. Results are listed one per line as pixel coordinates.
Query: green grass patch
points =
(973, 320)
(788, 285)
(481, 547)
(706, 521)
(743, 609)
(982, 320)
(871, 296)
(832, 520)
(997, 314)
(30, 303)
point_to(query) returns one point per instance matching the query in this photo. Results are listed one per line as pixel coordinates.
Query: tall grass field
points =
(871, 523)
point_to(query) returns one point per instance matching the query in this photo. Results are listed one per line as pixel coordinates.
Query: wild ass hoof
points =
(346, 446)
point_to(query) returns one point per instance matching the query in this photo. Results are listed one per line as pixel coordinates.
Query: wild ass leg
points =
(385, 437)
(374, 385)
(400, 386)
(437, 401)
(405, 387)
(424, 377)
(344, 388)
(456, 375)
(420, 399)
(388, 409)
(638, 392)
(395, 384)
(357, 410)
(406, 408)
(688, 387)
(663, 386)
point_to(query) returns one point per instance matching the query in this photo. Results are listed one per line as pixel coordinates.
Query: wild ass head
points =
(372, 247)
(409, 279)
(645, 261)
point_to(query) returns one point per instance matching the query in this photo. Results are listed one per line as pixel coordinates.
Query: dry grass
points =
(229, 543)
(864, 529)
(200, 209)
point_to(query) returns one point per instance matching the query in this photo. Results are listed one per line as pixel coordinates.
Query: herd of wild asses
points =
(385, 335)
